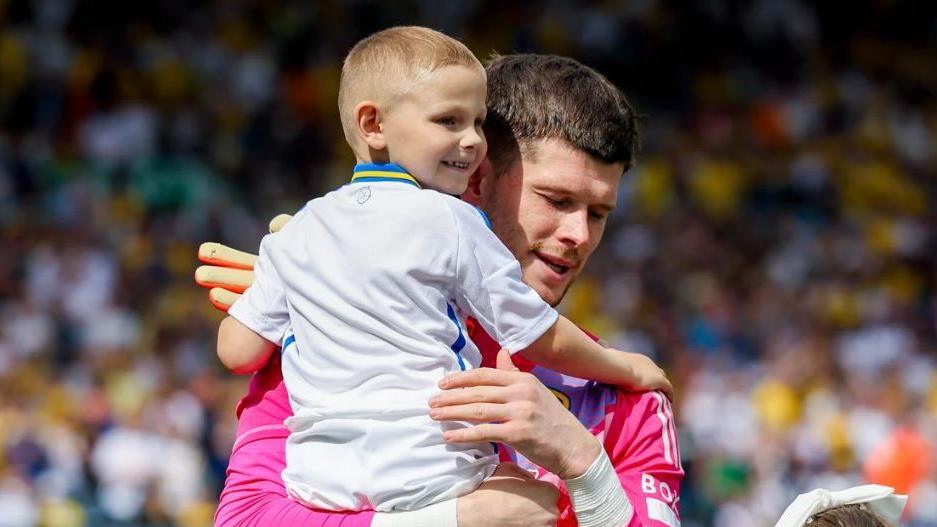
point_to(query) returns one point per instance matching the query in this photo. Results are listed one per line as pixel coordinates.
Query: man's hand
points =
(515, 408)
(509, 498)
(230, 271)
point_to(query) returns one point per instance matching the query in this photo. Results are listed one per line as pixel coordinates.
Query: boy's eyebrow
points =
(449, 107)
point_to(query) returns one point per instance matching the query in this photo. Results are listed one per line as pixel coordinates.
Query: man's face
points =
(550, 210)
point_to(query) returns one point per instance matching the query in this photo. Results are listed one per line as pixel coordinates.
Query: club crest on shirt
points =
(563, 398)
(363, 195)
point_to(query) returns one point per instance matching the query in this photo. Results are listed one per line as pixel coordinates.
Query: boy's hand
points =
(230, 271)
(648, 376)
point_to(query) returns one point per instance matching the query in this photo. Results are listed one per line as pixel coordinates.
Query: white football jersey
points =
(374, 280)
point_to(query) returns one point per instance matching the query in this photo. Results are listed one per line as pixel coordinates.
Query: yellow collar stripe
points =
(383, 175)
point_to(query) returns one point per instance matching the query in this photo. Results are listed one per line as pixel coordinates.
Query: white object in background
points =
(877, 498)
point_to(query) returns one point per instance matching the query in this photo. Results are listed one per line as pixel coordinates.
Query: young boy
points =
(373, 277)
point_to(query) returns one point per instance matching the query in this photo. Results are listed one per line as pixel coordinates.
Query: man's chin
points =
(548, 287)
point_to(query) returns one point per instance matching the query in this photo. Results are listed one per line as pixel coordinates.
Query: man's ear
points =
(368, 125)
(478, 183)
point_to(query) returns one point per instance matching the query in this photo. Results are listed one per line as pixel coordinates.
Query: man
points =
(560, 137)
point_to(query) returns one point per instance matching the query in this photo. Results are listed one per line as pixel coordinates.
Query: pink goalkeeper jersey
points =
(636, 429)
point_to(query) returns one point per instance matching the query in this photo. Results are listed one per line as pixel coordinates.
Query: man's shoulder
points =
(597, 405)
(646, 402)
(639, 413)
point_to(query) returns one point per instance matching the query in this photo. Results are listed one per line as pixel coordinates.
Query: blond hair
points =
(387, 64)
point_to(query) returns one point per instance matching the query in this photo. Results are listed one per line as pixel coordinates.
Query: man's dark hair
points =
(532, 97)
(847, 516)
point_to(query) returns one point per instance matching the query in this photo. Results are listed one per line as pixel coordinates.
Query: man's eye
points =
(558, 203)
(597, 215)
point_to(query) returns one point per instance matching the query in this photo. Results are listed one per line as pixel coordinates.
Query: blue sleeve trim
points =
(484, 217)
(459, 343)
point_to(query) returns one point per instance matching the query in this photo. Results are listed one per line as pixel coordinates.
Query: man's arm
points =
(254, 496)
(641, 440)
(515, 408)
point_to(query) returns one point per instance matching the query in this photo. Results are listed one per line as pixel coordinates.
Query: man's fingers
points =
(478, 377)
(476, 394)
(214, 253)
(476, 434)
(504, 362)
(277, 223)
(222, 299)
(235, 280)
(473, 413)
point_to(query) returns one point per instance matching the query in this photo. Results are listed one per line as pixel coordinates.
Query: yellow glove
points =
(230, 271)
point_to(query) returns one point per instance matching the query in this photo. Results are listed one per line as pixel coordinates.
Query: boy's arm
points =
(263, 308)
(240, 349)
(490, 287)
(566, 349)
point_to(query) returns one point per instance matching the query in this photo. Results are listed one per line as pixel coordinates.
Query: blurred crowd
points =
(775, 248)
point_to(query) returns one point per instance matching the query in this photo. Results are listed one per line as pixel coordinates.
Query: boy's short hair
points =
(388, 63)
(532, 97)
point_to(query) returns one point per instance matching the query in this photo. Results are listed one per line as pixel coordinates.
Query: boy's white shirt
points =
(364, 276)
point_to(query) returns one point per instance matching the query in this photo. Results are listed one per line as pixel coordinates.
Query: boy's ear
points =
(368, 124)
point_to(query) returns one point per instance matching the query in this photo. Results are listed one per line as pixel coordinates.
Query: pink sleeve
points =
(254, 495)
(641, 441)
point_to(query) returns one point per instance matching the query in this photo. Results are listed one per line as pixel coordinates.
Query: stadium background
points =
(774, 248)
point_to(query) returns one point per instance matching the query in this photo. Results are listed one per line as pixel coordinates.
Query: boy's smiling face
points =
(434, 130)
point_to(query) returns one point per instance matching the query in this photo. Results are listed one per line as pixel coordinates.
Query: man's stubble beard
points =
(568, 254)
(513, 237)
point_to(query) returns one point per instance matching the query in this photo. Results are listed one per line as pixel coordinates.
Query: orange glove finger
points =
(222, 299)
(234, 280)
(214, 253)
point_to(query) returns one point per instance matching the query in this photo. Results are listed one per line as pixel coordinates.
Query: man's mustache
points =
(568, 254)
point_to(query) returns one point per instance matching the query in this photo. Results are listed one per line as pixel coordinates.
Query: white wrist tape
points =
(441, 514)
(597, 496)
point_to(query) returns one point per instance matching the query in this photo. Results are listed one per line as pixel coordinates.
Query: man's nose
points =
(574, 229)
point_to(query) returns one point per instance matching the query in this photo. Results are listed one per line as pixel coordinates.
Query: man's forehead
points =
(556, 165)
